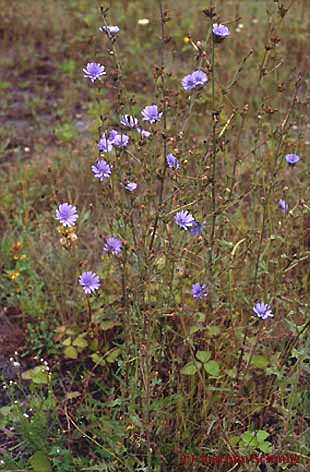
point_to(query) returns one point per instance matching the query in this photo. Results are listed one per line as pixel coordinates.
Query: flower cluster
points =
(67, 215)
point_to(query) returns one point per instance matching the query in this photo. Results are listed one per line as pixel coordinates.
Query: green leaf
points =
(70, 352)
(260, 362)
(248, 438)
(97, 359)
(40, 463)
(212, 368)
(38, 375)
(113, 355)
(191, 368)
(214, 330)
(261, 435)
(203, 356)
(231, 372)
(67, 341)
(193, 329)
(233, 440)
(80, 341)
(265, 447)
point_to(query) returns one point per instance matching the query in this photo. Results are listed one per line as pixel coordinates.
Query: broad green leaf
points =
(80, 341)
(191, 368)
(67, 341)
(233, 440)
(231, 372)
(212, 368)
(203, 356)
(40, 463)
(97, 359)
(38, 375)
(70, 352)
(248, 437)
(259, 361)
(265, 447)
(214, 330)
(262, 435)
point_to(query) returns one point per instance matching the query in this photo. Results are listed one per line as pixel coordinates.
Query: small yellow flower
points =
(130, 427)
(13, 275)
(186, 39)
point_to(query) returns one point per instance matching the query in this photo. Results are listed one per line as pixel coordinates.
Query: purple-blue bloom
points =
(197, 228)
(105, 144)
(184, 219)
(220, 32)
(199, 290)
(112, 135)
(113, 245)
(131, 186)
(66, 214)
(172, 161)
(190, 81)
(89, 281)
(94, 71)
(292, 159)
(283, 205)
(110, 30)
(121, 140)
(262, 310)
(150, 113)
(129, 121)
(144, 133)
(101, 170)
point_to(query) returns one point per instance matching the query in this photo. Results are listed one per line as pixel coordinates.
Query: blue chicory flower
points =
(184, 219)
(131, 186)
(101, 169)
(190, 81)
(292, 159)
(121, 140)
(144, 133)
(129, 121)
(94, 71)
(105, 143)
(197, 228)
(151, 114)
(66, 214)
(262, 310)
(110, 30)
(220, 32)
(199, 290)
(89, 281)
(283, 205)
(112, 245)
(172, 161)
